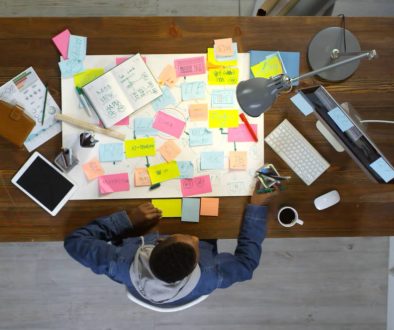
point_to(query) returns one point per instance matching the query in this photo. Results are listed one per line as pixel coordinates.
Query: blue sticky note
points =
(228, 58)
(193, 90)
(186, 169)
(384, 170)
(212, 160)
(111, 152)
(222, 99)
(190, 209)
(143, 127)
(340, 119)
(77, 48)
(70, 67)
(302, 104)
(200, 136)
(164, 100)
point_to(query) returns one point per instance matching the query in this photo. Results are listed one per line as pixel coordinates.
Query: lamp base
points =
(320, 50)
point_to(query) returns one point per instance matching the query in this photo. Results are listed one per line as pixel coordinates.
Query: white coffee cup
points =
(288, 217)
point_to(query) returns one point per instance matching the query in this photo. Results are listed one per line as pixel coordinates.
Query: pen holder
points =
(65, 161)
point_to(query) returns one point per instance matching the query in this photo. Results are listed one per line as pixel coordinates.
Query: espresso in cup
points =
(288, 217)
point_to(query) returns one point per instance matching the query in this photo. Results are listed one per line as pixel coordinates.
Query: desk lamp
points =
(325, 52)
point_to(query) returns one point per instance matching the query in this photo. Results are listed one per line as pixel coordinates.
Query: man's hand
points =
(262, 198)
(145, 215)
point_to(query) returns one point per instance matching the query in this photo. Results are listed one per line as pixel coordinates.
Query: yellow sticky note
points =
(140, 147)
(169, 150)
(226, 76)
(85, 77)
(163, 172)
(213, 63)
(238, 160)
(271, 66)
(170, 207)
(141, 177)
(223, 118)
(198, 112)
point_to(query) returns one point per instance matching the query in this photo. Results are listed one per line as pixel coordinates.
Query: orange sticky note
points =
(169, 150)
(198, 112)
(238, 160)
(168, 76)
(141, 177)
(209, 207)
(224, 47)
(93, 169)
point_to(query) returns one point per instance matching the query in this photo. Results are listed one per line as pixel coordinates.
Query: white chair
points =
(165, 309)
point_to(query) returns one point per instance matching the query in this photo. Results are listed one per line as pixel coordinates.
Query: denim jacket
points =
(100, 246)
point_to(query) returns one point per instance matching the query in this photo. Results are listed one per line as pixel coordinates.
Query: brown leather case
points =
(15, 125)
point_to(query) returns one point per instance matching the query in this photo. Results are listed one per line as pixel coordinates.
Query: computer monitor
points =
(344, 125)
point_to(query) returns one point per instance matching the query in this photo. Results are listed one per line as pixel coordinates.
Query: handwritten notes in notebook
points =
(200, 136)
(226, 76)
(169, 150)
(196, 186)
(193, 90)
(143, 126)
(140, 147)
(198, 112)
(212, 160)
(164, 100)
(223, 118)
(223, 47)
(238, 160)
(222, 99)
(111, 152)
(163, 172)
(209, 207)
(61, 41)
(270, 67)
(190, 209)
(93, 169)
(170, 207)
(168, 76)
(241, 133)
(113, 183)
(189, 66)
(141, 177)
(169, 124)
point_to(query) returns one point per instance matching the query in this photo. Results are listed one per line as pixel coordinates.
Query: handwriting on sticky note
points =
(111, 152)
(215, 63)
(164, 100)
(190, 209)
(196, 186)
(222, 99)
(143, 127)
(70, 67)
(186, 169)
(200, 136)
(198, 112)
(170, 208)
(223, 118)
(77, 47)
(168, 76)
(241, 133)
(223, 47)
(212, 160)
(209, 207)
(168, 124)
(85, 77)
(113, 183)
(169, 150)
(61, 41)
(193, 90)
(340, 119)
(141, 177)
(140, 147)
(93, 169)
(270, 67)
(163, 172)
(238, 160)
(226, 76)
(383, 169)
(189, 66)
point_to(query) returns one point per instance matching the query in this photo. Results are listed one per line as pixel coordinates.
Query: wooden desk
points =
(366, 209)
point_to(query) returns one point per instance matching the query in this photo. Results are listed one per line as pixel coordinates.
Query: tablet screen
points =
(44, 183)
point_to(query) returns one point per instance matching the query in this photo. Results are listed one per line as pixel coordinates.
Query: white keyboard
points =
(297, 152)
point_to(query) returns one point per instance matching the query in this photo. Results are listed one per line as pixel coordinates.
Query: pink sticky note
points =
(189, 66)
(241, 133)
(196, 186)
(168, 124)
(113, 183)
(61, 42)
(123, 122)
(119, 60)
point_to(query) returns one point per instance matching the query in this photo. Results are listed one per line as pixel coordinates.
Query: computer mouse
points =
(327, 200)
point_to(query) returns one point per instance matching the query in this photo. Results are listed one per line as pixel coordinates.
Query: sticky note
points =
(200, 136)
(163, 172)
(384, 170)
(222, 99)
(140, 147)
(141, 177)
(85, 77)
(340, 119)
(212, 62)
(189, 66)
(193, 90)
(111, 152)
(170, 208)
(61, 41)
(302, 104)
(223, 47)
(169, 150)
(120, 60)
(226, 76)
(123, 122)
(212, 160)
(228, 58)
(164, 100)
(270, 67)
(93, 169)
(168, 124)
(241, 133)
(196, 186)
(77, 47)
(186, 169)
(143, 127)
(168, 76)
(70, 67)
(209, 207)
(113, 183)
(223, 118)
(238, 160)
(190, 209)
(198, 112)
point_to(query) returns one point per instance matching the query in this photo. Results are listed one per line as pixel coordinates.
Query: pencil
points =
(249, 127)
(45, 104)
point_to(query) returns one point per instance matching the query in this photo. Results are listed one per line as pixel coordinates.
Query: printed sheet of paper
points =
(170, 207)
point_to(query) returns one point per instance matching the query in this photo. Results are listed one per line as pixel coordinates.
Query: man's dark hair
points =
(171, 261)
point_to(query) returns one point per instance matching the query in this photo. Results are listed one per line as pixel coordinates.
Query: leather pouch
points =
(15, 124)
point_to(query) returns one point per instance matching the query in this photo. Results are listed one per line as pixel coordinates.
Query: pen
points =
(83, 101)
(250, 129)
(45, 104)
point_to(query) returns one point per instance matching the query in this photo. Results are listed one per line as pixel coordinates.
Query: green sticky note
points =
(170, 208)
(85, 77)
